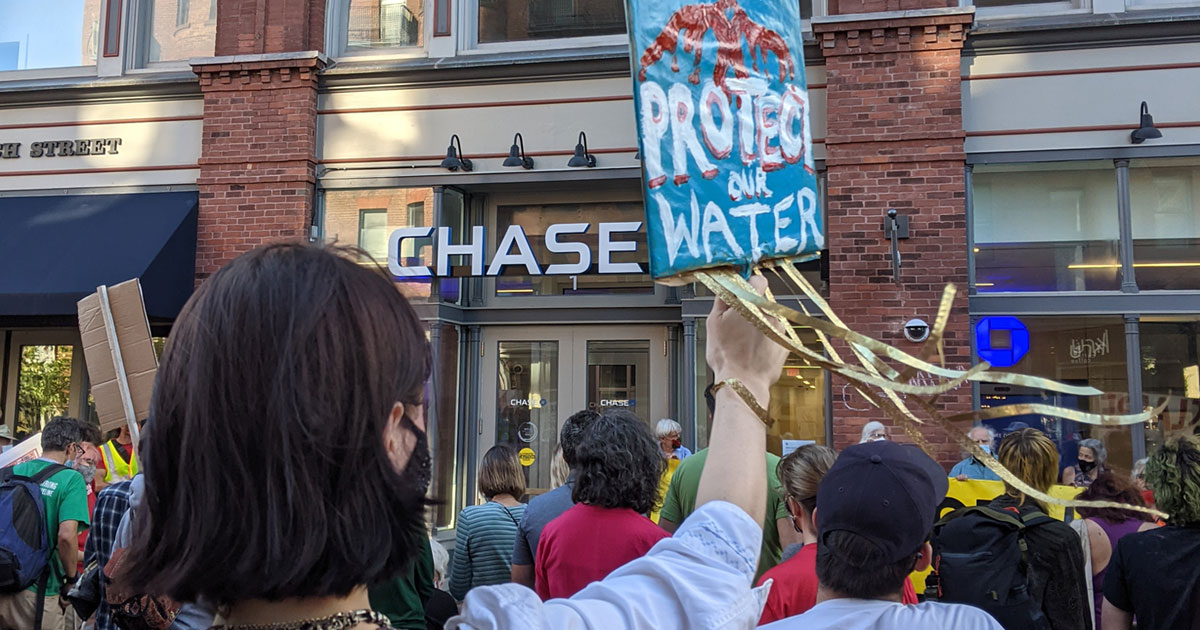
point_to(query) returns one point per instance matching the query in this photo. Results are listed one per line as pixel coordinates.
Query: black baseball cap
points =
(885, 492)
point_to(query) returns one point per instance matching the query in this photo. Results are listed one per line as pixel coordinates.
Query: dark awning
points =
(54, 251)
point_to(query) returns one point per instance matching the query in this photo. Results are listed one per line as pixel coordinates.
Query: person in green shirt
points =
(681, 501)
(64, 495)
(403, 597)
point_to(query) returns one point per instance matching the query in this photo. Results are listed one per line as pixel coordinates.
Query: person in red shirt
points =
(794, 588)
(616, 484)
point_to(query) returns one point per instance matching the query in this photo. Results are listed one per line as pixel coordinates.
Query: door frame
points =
(572, 342)
(77, 403)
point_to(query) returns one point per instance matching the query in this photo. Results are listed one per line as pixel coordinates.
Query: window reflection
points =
(1165, 210)
(49, 34)
(797, 398)
(1170, 375)
(527, 404)
(536, 219)
(517, 20)
(1078, 351)
(366, 218)
(384, 24)
(1046, 227)
(177, 30)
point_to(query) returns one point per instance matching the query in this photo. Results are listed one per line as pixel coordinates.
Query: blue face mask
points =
(986, 449)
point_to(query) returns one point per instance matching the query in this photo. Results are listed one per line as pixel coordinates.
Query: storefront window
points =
(797, 398)
(384, 24)
(1073, 350)
(177, 30)
(366, 219)
(527, 404)
(627, 247)
(1046, 227)
(49, 34)
(43, 386)
(1171, 375)
(520, 20)
(1165, 210)
(444, 435)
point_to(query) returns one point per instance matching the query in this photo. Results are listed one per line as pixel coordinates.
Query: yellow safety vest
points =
(115, 467)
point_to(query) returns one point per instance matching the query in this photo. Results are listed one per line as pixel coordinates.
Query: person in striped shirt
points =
(484, 544)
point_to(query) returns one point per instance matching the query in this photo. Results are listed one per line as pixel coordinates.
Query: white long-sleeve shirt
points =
(700, 578)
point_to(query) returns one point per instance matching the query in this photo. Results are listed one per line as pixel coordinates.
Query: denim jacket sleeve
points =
(699, 578)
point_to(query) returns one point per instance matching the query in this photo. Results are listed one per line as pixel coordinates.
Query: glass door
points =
(618, 376)
(527, 403)
(534, 378)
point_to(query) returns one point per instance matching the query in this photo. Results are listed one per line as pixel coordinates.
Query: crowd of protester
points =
(282, 483)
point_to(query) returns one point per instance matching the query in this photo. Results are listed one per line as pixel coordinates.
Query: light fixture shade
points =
(1146, 130)
(514, 157)
(516, 154)
(582, 157)
(454, 160)
(451, 162)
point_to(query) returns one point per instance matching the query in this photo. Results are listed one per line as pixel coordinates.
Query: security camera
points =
(916, 330)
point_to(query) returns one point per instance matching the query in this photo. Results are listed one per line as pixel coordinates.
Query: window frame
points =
(1030, 9)
(136, 50)
(363, 213)
(469, 44)
(337, 35)
(66, 72)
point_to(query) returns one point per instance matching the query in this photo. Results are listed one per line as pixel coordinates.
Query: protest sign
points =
(723, 126)
(119, 353)
(29, 449)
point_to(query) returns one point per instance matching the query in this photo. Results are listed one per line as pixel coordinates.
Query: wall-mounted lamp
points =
(582, 157)
(1146, 130)
(516, 154)
(895, 227)
(454, 159)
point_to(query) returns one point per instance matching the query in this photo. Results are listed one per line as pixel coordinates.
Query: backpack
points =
(25, 545)
(979, 559)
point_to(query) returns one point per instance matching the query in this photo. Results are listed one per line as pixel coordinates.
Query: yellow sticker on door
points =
(526, 456)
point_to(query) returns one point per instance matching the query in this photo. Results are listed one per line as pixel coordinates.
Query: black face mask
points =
(418, 472)
(1086, 467)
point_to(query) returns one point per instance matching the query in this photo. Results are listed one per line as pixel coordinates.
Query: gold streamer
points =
(747, 397)
(736, 292)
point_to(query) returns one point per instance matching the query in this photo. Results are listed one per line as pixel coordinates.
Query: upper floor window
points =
(384, 24)
(48, 34)
(520, 20)
(176, 30)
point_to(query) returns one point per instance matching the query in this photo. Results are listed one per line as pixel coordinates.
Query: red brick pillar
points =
(258, 151)
(895, 140)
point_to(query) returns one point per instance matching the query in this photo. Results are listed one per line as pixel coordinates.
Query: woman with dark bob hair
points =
(483, 546)
(618, 464)
(286, 464)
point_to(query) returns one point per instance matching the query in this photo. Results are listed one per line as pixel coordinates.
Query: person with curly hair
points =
(1155, 575)
(1105, 527)
(616, 484)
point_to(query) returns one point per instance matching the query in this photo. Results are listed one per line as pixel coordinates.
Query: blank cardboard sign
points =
(136, 352)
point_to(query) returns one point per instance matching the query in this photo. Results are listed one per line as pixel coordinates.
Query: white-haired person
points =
(668, 431)
(972, 468)
(873, 431)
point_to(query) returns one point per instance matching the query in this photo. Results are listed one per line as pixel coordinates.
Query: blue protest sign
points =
(723, 113)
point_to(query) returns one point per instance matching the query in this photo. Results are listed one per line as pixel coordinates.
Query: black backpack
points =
(979, 559)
